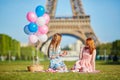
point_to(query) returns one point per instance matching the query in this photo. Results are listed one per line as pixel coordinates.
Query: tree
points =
(66, 48)
(15, 50)
(8, 46)
(116, 48)
(104, 46)
(27, 52)
(4, 44)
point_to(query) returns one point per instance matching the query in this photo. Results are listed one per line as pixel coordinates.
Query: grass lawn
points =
(17, 70)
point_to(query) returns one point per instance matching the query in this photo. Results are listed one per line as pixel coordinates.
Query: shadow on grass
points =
(110, 63)
(20, 71)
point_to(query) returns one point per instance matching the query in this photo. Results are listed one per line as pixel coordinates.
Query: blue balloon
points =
(26, 30)
(32, 27)
(40, 10)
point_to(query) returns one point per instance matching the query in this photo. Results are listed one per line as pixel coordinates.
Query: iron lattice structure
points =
(77, 25)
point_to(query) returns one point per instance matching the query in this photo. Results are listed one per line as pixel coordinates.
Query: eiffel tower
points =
(77, 25)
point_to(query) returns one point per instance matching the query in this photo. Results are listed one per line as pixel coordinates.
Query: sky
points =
(104, 15)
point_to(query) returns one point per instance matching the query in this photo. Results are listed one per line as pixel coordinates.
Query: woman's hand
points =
(64, 53)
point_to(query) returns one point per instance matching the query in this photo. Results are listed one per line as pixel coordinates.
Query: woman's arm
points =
(93, 60)
(64, 53)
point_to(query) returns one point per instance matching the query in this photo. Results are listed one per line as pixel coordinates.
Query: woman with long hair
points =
(54, 53)
(86, 62)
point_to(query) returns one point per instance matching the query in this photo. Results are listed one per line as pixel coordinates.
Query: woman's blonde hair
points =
(56, 39)
(91, 44)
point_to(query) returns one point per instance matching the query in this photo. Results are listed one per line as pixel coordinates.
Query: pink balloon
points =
(47, 18)
(38, 33)
(42, 30)
(31, 16)
(33, 38)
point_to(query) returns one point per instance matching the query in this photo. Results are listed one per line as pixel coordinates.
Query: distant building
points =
(24, 44)
(76, 46)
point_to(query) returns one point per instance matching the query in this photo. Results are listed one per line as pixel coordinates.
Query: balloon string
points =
(38, 46)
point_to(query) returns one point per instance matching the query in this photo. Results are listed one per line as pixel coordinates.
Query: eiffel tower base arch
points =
(77, 25)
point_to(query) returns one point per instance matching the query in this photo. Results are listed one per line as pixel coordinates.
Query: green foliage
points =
(66, 48)
(9, 45)
(116, 48)
(40, 54)
(5, 44)
(15, 48)
(105, 46)
(111, 48)
(28, 52)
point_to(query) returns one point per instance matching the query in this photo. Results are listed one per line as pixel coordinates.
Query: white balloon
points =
(41, 21)
(33, 38)
(43, 38)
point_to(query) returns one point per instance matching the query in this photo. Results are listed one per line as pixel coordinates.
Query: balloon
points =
(26, 30)
(32, 27)
(31, 16)
(43, 29)
(40, 10)
(47, 18)
(43, 38)
(40, 21)
(38, 33)
(33, 38)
